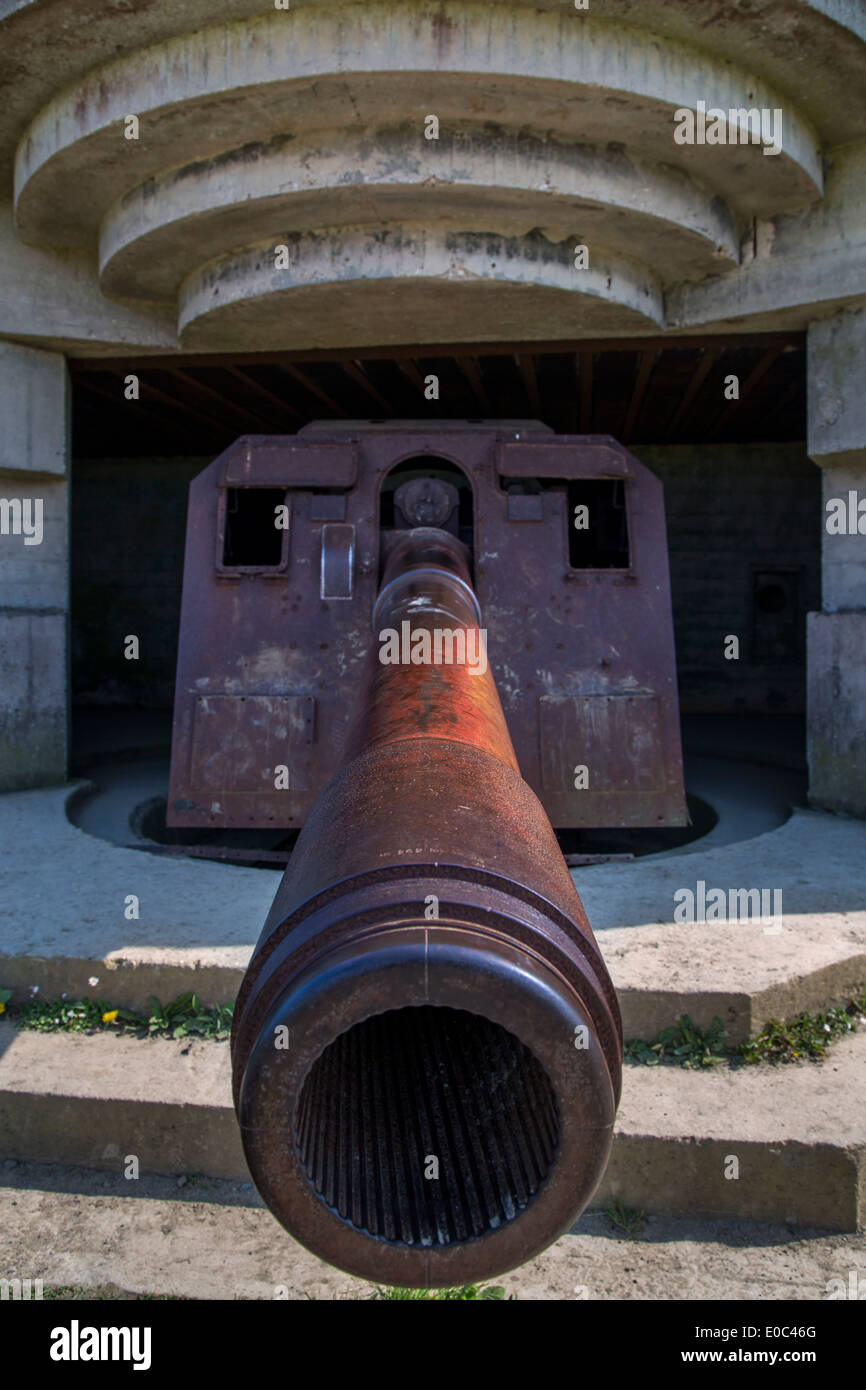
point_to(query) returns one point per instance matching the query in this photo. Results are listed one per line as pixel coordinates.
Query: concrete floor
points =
(748, 798)
(749, 769)
(798, 1132)
(214, 1239)
(63, 927)
(197, 921)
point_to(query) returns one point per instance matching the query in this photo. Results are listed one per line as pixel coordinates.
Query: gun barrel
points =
(427, 1047)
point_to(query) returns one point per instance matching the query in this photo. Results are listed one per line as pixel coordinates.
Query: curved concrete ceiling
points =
(809, 49)
(306, 128)
(410, 284)
(152, 237)
(350, 68)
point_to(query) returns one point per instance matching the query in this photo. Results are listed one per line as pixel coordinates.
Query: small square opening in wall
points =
(251, 537)
(597, 524)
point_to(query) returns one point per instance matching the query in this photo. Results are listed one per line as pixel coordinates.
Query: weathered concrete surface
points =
(812, 47)
(33, 696)
(93, 1100)
(33, 406)
(227, 85)
(837, 636)
(843, 551)
(212, 1239)
(34, 560)
(198, 921)
(837, 711)
(34, 566)
(469, 179)
(704, 969)
(837, 401)
(798, 1133)
(793, 266)
(741, 970)
(732, 972)
(293, 122)
(52, 298)
(363, 288)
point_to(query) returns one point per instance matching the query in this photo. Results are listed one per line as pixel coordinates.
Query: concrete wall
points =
(837, 636)
(732, 511)
(741, 519)
(33, 567)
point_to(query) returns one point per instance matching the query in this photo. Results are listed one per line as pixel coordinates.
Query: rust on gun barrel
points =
(427, 1047)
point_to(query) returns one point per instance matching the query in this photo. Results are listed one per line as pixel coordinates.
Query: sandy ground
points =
(213, 1239)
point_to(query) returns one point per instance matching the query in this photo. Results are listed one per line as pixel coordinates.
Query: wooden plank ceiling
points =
(642, 391)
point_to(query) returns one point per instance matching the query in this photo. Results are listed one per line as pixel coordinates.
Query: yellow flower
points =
(2, 1008)
(110, 1016)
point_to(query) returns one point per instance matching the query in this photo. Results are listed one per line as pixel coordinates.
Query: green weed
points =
(629, 1220)
(183, 1017)
(684, 1043)
(805, 1037)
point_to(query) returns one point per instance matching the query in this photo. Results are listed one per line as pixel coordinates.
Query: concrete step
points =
(198, 921)
(660, 972)
(797, 1133)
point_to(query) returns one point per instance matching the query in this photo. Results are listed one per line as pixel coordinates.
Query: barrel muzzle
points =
(427, 1047)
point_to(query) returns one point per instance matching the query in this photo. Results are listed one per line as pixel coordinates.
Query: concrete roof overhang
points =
(305, 129)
